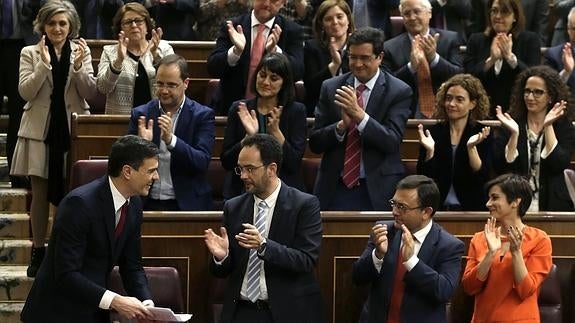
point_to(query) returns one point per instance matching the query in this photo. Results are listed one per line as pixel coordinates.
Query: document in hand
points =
(166, 314)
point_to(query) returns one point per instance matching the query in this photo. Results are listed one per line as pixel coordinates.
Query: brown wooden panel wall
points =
(176, 239)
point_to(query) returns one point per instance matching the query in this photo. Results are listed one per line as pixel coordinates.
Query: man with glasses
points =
(412, 263)
(185, 132)
(269, 243)
(359, 123)
(560, 57)
(420, 44)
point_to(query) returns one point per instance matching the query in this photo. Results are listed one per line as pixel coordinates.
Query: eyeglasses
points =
(361, 58)
(169, 86)
(496, 11)
(537, 93)
(402, 207)
(249, 169)
(416, 12)
(129, 22)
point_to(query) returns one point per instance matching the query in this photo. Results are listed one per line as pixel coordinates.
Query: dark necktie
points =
(394, 315)
(122, 221)
(425, 89)
(352, 159)
(255, 58)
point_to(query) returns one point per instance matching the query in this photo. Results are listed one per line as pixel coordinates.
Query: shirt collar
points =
(118, 198)
(423, 232)
(177, 112)
(269, 24)
(270, 200)
(423, 34)
(369, 84)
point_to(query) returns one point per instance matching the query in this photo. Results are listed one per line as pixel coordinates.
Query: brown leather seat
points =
(211, 89)
(164, 284)
(570, 181)
(216, 176)
(86, 170)
(299, 91)
(397, 26)
(549, 300)
(309, 169)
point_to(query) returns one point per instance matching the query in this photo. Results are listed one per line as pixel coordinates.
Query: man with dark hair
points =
(359, 123)
(412, 263)
(560, 57)
(185, 132)
(269, 244)
(97, 226)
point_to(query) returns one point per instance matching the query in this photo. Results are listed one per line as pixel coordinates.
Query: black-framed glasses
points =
(497, 11)
(129, 22)
(537, 93)
(248, 169)
(402, 207)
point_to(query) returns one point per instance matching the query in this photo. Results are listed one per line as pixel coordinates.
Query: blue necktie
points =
(7, 21)
(254, 263)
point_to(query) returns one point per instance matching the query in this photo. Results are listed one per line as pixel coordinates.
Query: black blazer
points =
(293, 125)
(292, 252)
(81, 254)
(553, 194)
(233, 79)
(554, 58)
(446, 171)
(527, 49)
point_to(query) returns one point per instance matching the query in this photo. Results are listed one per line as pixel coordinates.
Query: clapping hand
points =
(506, 120)
(80, 53)
(555, 113)
(567, 58)
(478, 137)
(380, 239)
(122, 50)
(248, 118)
(273, 39)
(217, 244)
(145, 130)
(44, 52)
(428, 44)
(155, 41)
(165, 124)
(237, 37)
(334, 52)
(345, 98)
(492, 235)
(425, 138)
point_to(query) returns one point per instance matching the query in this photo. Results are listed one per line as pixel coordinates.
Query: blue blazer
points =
(553, 58)
(428, 286)
(81, 254)
(293, 125)
(388, 108)
(290, 259)
(191, 156)
(234, 79)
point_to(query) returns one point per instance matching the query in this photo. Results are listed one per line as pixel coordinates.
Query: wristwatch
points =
(262, 247)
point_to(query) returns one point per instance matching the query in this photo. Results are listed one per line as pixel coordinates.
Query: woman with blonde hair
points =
(56, 77)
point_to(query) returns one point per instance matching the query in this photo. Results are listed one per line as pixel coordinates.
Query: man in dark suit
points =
(412, 263)
(96, 16)
(269, 245)
(560, 57)
(451, 15)
(97, 226)
(377, 124)
(440, 48)
(185, 132)
(230, 59)
(175, 17)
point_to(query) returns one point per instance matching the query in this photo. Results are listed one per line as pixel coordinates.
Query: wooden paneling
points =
(177, 237)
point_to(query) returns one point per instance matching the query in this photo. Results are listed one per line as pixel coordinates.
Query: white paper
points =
(166, 314)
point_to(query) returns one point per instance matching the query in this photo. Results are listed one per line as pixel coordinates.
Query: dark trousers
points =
(9, 72)
(350, 199)
(248, 312)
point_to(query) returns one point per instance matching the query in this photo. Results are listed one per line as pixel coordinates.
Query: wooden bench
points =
(175, 239)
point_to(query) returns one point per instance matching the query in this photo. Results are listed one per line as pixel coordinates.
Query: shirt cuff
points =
(413, 71)
(221, 261)
(106, 300)
(173, 142)
(497, 66)
(411, 262)
(564, 76)
(363, 123)
(434, 61)
(232, 57)
(279, 50)
(377, 263)
(148, 302)
(339, 137)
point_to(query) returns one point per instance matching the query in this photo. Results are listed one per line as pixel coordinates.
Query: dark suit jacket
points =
(233, 79)
(388, 108)
(553, 194)
(317, 58)
(456, 14)
(428, 286)
(191, 156)
(379, 12)
(105, 12)
(293, 125)
(447, 171)
(176, 19)
(81, 254)
(553, 58)
(527, 49)
(292, 252)
(561, 9)
(397, 55)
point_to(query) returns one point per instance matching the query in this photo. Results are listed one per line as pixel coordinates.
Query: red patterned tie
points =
(120, 225)
(394, 315)
(425, 90)
(352, 158)
(255, 58)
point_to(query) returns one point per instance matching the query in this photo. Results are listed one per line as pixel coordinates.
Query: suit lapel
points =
(428, 245)
(374, 106)
(108, 213)
(279, 210)
(183, 119)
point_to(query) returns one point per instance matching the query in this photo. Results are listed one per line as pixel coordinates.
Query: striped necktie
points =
(254, 263)
(352, 157)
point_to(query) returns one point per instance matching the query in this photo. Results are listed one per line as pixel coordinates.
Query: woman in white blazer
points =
(126, 73)
(56, 76)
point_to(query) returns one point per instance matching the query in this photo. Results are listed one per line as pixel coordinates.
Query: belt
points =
(258, 305)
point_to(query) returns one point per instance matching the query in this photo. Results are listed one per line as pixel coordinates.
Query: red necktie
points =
(352, 157)
(397, 291)
(255, 58)
(120, 225)
(425, 90)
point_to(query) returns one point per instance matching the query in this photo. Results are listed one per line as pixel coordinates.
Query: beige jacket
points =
(36, 85)
(119, 88)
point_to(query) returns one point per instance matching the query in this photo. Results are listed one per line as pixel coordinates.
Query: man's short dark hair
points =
(176, 60)
(373, 36)
(514, 186)
(130, 150)
(270, 149)
(427, 191)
